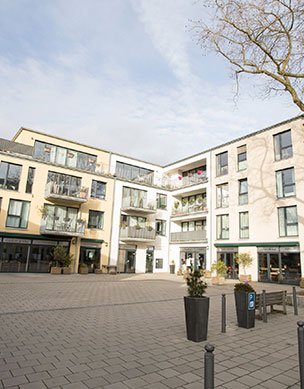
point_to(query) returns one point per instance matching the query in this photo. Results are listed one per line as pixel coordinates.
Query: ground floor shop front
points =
(272, 262)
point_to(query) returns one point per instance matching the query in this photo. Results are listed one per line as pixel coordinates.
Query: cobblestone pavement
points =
(116, 332)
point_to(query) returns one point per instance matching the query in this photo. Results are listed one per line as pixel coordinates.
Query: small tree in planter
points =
(63, 260)
(172, 267)
(244, 260)
(83, 268)
(245, 315)
(221, 270)
(196, 307)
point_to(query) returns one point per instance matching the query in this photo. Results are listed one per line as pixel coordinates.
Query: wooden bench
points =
(272, 298)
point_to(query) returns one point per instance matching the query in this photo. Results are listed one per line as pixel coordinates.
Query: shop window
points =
(283, 145)
(222, 227)
(161, 201)
(244, 225)
(242, 157)
(288, 221)
(30, 180)
(222, 164)
(95, 220)
(10, 175)
(159, 263)
(286, 186)
(17, 214)
(98, 190)
(222, 196)
(161, 227)
(243, 191)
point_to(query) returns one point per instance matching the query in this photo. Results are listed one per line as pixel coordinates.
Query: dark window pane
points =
(30, 180)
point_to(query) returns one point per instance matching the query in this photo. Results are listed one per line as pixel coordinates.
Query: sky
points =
(125, 76)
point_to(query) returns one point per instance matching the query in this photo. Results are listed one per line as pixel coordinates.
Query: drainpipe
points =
(210, 211)
(112, 214)
(77, 242)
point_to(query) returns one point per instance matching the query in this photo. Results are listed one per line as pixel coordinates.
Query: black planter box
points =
(245, 316)
(196, 312)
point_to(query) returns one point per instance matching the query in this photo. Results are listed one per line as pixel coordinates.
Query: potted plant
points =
(245, 311)
(172, 267)
(62, 259)
(196, 307)
(221, 270)
(176, 204)
(83, 268)
(244, 260)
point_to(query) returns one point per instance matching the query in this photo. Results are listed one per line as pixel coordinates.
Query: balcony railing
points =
(54, 191)
(188, 209)
(139, 234)
(188, 236)
(66, 227)
(139, 205)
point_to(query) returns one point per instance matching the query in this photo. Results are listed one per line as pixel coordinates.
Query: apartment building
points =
(116, 211)
(53, 192)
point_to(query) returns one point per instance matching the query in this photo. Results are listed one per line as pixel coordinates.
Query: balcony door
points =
(229, 260)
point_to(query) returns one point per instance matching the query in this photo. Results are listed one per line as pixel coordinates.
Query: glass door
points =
(274, 267)
(263, 268)
(130, 261)
(149, 261)
(269, 267)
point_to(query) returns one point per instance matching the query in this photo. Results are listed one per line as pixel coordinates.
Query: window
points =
(244, 225)
(134, 197)
(222, 227)
(195, 203)
(137, 221)
(30, 180)
(283, 145)
(159, 263)
(161, 227)
(61, 218)
(63, 184)
(222, 164)
(9, 176)
(63, 156)
(243, 191)
(198, 170)
(95, 220)
(288, 221)
(131, 172)
(286, 186)
(197, 225)
(222, 196)
(242, 158)
(98, 190)
(161, 201)
(17, 215)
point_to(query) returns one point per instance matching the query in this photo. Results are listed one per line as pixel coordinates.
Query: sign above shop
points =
(268, 249)
(227, 249)
(16, 241)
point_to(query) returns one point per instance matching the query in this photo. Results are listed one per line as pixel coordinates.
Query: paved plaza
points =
(128, 331)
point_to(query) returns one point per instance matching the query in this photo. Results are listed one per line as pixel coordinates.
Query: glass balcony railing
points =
(65, 227)
(54, 191)
(188, 236)
(139, 234)
(138, 204)
(179, 209)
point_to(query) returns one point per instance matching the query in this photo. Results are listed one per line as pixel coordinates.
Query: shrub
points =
(243, 287)
(219, 268)
(196, 286)
(84, 265)
(61, 256)
(244, 259)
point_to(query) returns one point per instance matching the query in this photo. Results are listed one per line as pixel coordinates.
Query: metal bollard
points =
(209, 367)
(264, 307)
(223, 313)
(301, 351)
(295, 301)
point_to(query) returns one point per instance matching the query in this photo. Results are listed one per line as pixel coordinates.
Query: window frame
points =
(30, 180)
(94, 196)
(242, 151)
(28, 203)
(91, 214)
(6, 178)
(159, 197)
(221, 169)
(281, 185)
(219, 227)
(243, 228)
(279, 149)
(285, 224)
(163, 224)
(219, 194)
(243, 195)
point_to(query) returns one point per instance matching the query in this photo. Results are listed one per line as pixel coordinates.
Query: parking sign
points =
(251, 300)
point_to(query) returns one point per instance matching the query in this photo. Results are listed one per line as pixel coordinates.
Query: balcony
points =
(65, 193)
(137, 234)
(188, 236)
(138, 205)
(188, 209)
(65, 227)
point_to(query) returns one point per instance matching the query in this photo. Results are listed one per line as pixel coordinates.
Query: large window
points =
(243, 191)
(288, 221)
(161, 201)
(283, 145)
(63, 184)
(98, 190)
(194, 203)
(64, 156)
(197, 225)
(222, 227)
(61, 218)
(222, 164)
(244, 225)
(161, 227)
(17, 215)
(131, 172)
(9, 175)
(222, 196)
(198, 170)
(95, 220)
(134, 197)
(286, 186)
(133, 221)
(30, 180)
(242, 157)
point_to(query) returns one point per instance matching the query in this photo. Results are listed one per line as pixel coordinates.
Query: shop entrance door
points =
(149, 260)
(130, 261)
(229, 260)
(269, 267)
(91, 257)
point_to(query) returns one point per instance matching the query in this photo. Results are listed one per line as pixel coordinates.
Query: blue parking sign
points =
(251, 300)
